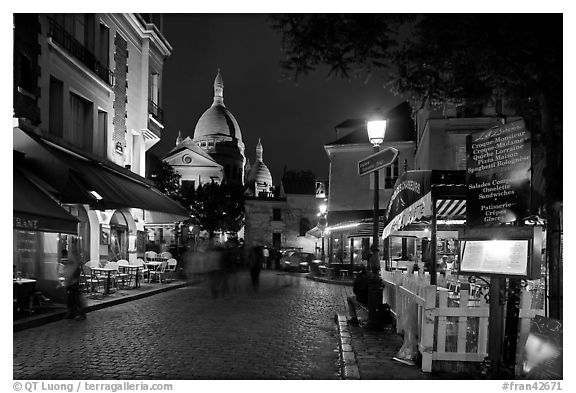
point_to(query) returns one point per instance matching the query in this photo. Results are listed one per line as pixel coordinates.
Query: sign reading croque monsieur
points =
(498, 175)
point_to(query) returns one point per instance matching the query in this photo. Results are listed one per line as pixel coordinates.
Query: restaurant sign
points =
(498, 169)
(421, 208)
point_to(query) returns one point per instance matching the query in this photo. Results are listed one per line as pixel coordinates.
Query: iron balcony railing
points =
(79, 51)
(156, 111)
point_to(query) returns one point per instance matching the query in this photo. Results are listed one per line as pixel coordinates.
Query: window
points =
(391, 174)
(304, 226)
(104, 45)
(26, 78)
(210, 143)
(154, 87)
(102, 134)
(461, 157)
(81, 131)
(188, 185)
(276, 215)
(56, 105)
(277, 240)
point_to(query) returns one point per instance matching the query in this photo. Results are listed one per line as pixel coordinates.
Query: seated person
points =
(360, 297)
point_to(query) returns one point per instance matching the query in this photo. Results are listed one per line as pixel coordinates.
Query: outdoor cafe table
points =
(132, 270)
(108, 272)
(152, 265)
(23, 289)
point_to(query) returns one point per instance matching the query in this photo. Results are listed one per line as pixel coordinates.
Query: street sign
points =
(377, 161)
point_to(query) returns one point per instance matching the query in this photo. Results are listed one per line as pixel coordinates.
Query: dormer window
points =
(203, 145)
(210, 143)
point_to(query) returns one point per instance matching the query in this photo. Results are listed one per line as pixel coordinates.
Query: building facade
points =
(284, 219)
(351, 197)
(87, 107)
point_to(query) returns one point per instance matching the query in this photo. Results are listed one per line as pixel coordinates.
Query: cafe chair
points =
(160, 272)
(150, 255)
(89, 280)
(144, 271)
(166, 255)
(171, 269)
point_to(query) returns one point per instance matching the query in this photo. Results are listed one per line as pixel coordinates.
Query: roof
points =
(400, 127)
(187, 143)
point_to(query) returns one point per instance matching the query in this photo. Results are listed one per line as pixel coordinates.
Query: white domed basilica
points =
(258, 177)
(216, 151)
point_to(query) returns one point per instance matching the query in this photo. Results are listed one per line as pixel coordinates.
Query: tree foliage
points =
(215, 207)
(166, 179)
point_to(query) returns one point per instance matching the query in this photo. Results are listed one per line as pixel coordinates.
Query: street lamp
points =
(376, 128)
(322, 224)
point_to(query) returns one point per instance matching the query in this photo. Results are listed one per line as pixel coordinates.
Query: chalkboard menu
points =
(498, 168)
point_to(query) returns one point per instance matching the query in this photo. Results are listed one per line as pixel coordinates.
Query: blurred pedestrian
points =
(256, 259)
(76, 302)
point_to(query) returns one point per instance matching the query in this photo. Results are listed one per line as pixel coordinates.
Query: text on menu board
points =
(498, 175)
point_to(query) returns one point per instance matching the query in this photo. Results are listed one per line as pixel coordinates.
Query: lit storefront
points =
(425, 206)
(108, 205)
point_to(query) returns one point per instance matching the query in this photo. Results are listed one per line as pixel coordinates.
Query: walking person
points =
(360, 289)
(256, 259)
(76, 302)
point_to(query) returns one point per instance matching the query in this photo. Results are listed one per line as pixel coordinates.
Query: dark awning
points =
(102, 185)
(35, 210)
(416, 191)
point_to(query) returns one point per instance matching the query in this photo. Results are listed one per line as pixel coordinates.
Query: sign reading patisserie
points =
(498, 168)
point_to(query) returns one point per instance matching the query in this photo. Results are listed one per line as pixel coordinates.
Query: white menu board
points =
(505, 257)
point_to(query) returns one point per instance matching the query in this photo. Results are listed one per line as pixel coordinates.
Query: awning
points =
(315, 232)
(34, 210)
(80, 179)
(365, 230)
(414, 193)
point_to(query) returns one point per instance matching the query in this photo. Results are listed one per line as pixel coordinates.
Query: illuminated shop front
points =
(424, 216)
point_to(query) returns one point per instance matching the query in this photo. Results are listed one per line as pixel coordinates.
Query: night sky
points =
(293, 120)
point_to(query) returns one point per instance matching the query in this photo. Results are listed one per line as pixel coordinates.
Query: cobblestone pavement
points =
(284, 331)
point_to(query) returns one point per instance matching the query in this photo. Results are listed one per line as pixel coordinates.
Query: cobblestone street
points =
(284, 331)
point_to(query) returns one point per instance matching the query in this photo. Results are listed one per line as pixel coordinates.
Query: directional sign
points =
(376, 161)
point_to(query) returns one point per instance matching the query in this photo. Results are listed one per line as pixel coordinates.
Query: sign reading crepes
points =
(498, 175)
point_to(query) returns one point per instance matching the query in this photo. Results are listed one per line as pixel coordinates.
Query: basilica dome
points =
(217, 120)
(259, 172)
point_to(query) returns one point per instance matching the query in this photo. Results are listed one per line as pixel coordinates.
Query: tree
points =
(166, 179)
(465, 60)
(215, 207)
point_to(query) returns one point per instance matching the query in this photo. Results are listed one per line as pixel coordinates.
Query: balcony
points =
(156, 112)
(60, 36)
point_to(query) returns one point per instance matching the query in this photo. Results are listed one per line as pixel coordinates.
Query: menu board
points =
(502, 257)
(498, 172)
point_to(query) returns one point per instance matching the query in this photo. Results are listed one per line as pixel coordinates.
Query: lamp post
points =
(376, 130)
(322, 224)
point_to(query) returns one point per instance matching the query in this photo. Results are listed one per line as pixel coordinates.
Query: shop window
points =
(276, 215)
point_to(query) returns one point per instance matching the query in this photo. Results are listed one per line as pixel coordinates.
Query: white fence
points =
(451, 324)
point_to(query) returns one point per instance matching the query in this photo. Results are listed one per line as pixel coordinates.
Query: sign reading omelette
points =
(498, 171)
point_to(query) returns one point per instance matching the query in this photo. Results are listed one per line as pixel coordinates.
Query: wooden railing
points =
(450, 325)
